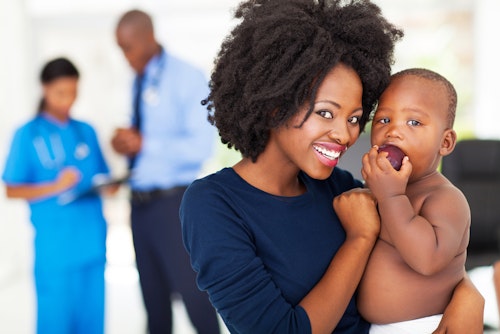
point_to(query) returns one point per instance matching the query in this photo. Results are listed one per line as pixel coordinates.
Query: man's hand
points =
(126, 141)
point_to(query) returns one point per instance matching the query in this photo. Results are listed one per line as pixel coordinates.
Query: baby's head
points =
(416, 113)
(434, 81)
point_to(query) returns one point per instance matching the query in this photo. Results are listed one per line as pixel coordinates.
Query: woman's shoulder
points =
(28, 128)
(81, 123)
(213, 183)
(83, 126)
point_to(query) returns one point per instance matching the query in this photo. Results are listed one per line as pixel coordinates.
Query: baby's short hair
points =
(436, 77)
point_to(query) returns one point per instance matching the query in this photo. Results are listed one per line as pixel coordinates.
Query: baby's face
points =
(412, 115)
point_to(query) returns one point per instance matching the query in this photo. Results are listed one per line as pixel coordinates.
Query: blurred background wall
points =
(457, 38)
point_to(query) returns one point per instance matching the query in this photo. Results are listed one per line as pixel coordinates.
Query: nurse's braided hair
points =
(274, 60)
(55, 69)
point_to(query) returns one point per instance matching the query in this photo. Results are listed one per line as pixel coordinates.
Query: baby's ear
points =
(448, 142)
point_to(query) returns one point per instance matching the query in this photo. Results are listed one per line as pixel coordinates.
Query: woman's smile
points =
(329, 153)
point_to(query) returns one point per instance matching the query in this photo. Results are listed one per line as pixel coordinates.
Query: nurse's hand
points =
(67, 178)
(126, 141)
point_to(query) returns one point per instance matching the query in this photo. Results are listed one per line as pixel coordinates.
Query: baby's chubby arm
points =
(426, 220)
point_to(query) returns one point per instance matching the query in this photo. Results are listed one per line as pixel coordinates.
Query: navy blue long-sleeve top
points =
(257, 255)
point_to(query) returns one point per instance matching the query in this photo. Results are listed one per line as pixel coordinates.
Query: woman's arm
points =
(465, 311)
(244, 292)
(67, 178)
(357, 211)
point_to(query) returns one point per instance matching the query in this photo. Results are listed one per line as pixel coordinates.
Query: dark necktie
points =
(137, 102)
(137, 119)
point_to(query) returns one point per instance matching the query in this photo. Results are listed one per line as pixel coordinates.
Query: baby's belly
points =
(391, 291)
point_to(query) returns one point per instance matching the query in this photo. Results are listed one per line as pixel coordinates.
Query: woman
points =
(293, 87)
(52, 159)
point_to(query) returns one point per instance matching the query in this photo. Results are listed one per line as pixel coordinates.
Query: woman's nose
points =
(340, 134)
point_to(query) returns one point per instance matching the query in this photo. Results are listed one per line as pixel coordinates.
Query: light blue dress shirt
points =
(176, 136)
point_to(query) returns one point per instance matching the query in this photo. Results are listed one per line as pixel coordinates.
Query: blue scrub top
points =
(66, 234)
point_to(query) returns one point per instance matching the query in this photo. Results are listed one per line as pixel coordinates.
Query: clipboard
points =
(102, 182)
(98, 183)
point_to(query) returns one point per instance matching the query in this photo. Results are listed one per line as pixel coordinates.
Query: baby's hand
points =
(381, 177)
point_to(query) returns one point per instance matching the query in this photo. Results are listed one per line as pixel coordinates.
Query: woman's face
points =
(59, 95)
(332, 127)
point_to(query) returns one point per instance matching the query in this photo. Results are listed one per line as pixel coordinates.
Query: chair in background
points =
(474, 167)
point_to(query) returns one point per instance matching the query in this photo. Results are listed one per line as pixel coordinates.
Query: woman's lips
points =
(329, 154)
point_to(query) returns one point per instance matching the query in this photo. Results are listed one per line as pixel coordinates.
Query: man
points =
(167, 144)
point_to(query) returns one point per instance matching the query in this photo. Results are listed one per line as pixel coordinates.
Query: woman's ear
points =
(448, 143)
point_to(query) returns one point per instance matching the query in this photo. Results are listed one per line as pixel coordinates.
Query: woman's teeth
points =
(332, 155)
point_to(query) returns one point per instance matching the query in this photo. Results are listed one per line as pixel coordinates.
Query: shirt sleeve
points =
(17, 164)
(100, 161)
(223, 254)
(197, 138)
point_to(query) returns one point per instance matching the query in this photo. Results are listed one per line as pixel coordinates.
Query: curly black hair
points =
(275, 59)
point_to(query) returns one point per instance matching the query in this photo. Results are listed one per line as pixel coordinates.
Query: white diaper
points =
(418, 326)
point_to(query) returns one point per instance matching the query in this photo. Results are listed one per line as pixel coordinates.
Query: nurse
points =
(53, 157)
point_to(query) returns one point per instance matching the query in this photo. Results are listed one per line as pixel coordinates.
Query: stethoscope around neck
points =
(151, 93)
(49, 146)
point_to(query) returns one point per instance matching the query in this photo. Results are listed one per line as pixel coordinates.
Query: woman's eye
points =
(413, 123)
(354, 119)
(325, 113)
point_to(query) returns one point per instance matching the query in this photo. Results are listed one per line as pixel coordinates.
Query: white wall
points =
(487, 68)
(33, 31)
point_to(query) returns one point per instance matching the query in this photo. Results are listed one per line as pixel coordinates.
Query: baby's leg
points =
(487, 281)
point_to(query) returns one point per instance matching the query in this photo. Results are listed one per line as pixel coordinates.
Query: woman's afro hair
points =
(274, 60)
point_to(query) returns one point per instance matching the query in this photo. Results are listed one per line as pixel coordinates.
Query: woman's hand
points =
(357, 211)
(465, 312)
(111, 189)
(67, 178)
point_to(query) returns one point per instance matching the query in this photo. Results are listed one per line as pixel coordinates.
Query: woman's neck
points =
(271, 177)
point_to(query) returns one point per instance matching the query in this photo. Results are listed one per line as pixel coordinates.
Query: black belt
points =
(141, 197)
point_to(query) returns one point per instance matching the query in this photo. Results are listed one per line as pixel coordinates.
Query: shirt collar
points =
(52, 120)
(156, 63)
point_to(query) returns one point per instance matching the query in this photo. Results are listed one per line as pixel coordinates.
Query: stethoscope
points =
(46, 141)
(150, 94)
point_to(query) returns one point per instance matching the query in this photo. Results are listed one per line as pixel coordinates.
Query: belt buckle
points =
(141, 197)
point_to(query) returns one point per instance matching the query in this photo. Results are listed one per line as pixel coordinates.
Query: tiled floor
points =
(124, 309)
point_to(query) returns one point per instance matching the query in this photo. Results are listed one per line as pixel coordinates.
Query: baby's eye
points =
(384, 120)
(413, 122)
(354, 119)
(325, 113)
